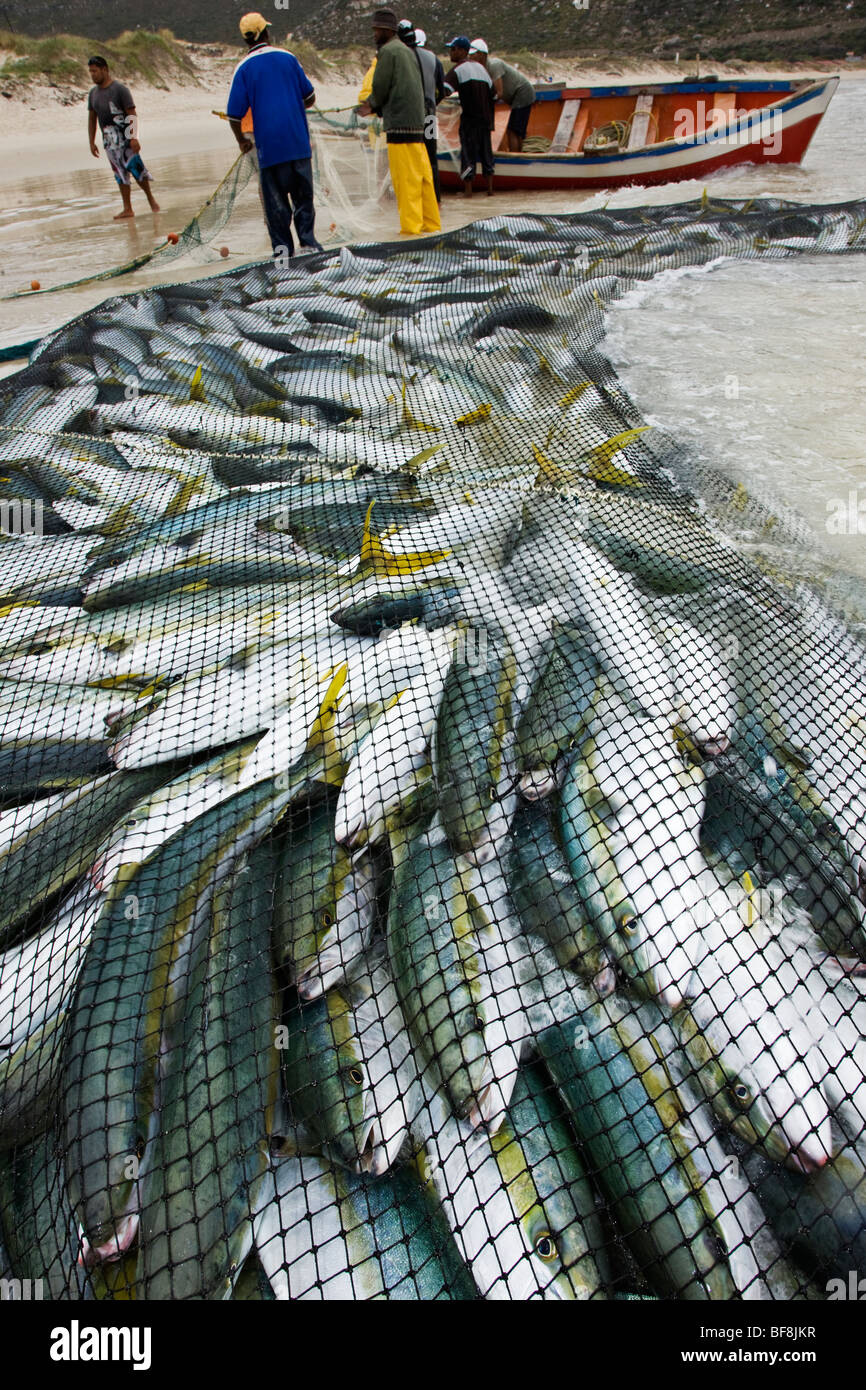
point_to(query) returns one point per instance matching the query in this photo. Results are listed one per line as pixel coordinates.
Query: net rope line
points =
(223, 198)
(431, 834)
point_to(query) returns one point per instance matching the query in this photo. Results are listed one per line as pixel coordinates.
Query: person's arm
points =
(132, 129)
(382, 81)
(308, 91)
(91, 132)
(130, 125)
(239, 101)
(245, 144)
(450, 84)
(497, 87)
(439, 82)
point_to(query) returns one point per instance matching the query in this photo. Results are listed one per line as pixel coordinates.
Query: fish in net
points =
(432, 828)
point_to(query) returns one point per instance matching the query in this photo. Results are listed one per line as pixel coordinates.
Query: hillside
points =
(759, 30)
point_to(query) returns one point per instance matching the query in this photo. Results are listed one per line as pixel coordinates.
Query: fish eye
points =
(478, 1020)
(356, 1075)
(491, 793)
(628, 925)
(545, 1246)
(741, 1092)
(326, 918)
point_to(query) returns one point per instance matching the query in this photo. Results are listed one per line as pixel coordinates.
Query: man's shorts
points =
(519, 119)
(124, 163)
(475, 148)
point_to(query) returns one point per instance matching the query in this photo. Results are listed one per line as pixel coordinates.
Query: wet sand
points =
(57, 202)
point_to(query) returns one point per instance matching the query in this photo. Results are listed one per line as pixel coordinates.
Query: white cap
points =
(420, 38)
(479, 46)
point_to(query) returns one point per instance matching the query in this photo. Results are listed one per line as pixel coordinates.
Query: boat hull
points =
(778, 133)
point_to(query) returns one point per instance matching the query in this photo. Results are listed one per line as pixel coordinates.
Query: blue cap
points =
(461, 41)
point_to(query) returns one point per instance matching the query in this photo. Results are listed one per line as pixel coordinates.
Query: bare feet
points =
(121, 216)
(154, 207)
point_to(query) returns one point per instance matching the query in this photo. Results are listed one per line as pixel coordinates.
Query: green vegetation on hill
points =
(156, 58)
(773, 31)
(765, 31)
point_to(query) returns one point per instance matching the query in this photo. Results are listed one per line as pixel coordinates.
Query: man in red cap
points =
(397, 96)
(272, 83)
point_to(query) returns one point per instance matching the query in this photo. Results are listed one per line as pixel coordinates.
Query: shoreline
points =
(46, 126)
(56, 220)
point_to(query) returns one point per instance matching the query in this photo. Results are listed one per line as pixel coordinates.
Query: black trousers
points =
(475, 148)
(287, 193)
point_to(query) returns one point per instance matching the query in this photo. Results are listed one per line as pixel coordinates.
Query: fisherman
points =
(474, 86)
(111, 103)
(433, 78)
(367, 84)
(272, 83)
(511, 87)
(397, 96)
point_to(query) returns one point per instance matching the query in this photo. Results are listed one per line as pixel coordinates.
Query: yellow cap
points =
(253, 23)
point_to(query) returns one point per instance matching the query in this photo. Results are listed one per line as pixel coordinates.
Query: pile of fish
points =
(433, 832)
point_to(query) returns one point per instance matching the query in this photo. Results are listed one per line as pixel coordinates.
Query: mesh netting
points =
(432, 835)
(193, 242)
(350, 165)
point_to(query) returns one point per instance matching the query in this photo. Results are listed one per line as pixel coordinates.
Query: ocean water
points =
(760, 369)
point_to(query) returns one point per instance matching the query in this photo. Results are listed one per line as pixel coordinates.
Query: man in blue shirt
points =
(272, 83)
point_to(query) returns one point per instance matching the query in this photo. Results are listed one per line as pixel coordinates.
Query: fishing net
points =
(195, 241)
(432, 836)
(352, 177)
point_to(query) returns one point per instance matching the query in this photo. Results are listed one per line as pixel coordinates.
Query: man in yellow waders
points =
(397, 95)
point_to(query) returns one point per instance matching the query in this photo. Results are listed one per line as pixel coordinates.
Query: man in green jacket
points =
(398, 97)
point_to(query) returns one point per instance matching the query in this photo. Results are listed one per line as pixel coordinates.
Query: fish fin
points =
(380, 561)
(573, 394)
(472, 417)
(410, 420)
(322, 730)
(182, 498)
(156, 687)
(601, 468)
(118, 520)
(415, 464)
(548, 471)
(120, 682)
(11, 607)
(750, 890)
(196, 388)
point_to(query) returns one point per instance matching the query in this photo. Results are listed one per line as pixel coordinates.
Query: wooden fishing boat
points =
(608, 137)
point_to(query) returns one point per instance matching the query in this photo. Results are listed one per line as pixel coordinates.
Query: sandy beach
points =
(58, 202)
(44, 134)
